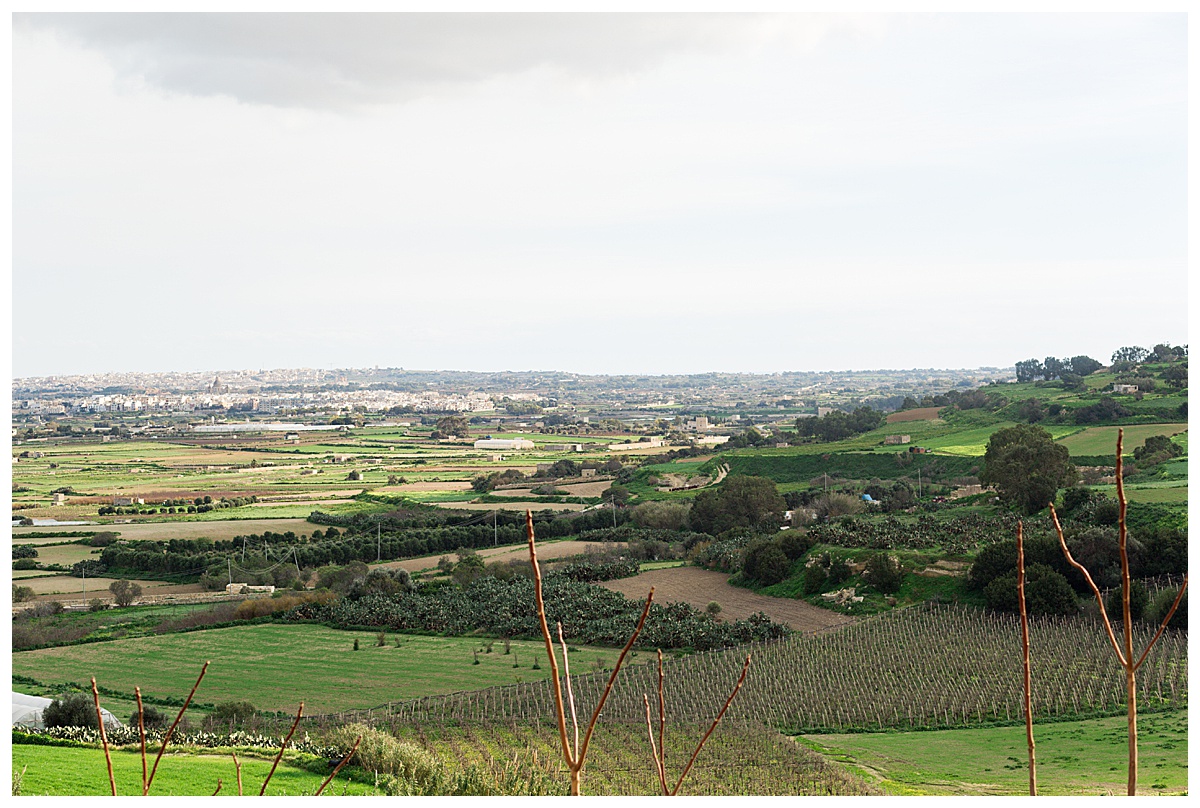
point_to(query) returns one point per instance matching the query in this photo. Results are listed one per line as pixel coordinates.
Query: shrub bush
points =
(1139, 598)
(1162, 604)
(25, 564)
(24, 551)
(884, 573)
(152, 718)
(766, 563)
(1046, 592)
(20, 594)
(814, 579)
(230, 713)
(382, 753)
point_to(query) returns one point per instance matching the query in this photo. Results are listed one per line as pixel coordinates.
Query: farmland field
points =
(1102, 440)
(699, 587)
(278, 666)
(63, 771)
(739, 759)
(217, 529)
(917, 414)
(511, 552)
(1073, 757)
(920, 667)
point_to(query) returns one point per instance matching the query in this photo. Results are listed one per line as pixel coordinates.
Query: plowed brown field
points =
(558, 549)
(699, 587)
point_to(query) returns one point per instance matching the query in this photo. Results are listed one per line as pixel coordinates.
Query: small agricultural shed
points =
(27, 711)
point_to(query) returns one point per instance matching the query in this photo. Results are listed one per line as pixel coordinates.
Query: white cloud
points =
(339, 61)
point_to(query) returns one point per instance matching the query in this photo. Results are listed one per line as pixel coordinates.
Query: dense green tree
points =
(1046, 592)
(616, 494)
(125, 592)
(1084, 365)
(1031, 410)
(455, 426)
(1052, 368)
(884, 573)
(1139, 599)
(70, 710)
(1027, 466)
(1106, 409)
(766, 562)
(741, 501)
(1130, 353)
(1176, 376)
(1029, 370)
(836, 425)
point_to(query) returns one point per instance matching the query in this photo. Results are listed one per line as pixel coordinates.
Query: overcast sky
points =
(595, 193)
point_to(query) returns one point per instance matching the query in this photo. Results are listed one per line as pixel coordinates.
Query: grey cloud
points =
(346, 60)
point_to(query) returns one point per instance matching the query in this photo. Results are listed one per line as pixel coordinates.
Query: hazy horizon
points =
(611, 193)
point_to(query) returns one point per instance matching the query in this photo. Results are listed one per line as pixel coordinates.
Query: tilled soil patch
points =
(699, 587)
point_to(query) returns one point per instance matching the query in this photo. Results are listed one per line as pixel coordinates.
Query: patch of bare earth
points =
(511, 552)
(919, 414)
(699, 587)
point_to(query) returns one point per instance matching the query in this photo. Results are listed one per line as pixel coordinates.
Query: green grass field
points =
(1102, 440)
(1077, 757)
(277, 666)
(1172, 491)
(78, 771)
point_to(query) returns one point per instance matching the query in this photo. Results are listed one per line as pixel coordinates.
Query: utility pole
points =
(614, 504)
(84, 568)
(296, 558)
(243, 549)
(826, 476)
(229, 562)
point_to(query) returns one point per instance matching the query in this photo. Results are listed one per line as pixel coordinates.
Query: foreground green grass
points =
(77, 771)
(1076, 757)
(277, 666)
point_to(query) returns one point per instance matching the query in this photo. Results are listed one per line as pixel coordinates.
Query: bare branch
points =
(587, 736)
(717, 720)
(662, 777)
(219, 784)
(1062, 541)
(103, 737)
(341, 763)
(271, 773)
(1028, 686)
(171, 731)
(137, 691)
(541, 610)
(237, 764)
(662, 723)
(570, 692)
(1163, 627)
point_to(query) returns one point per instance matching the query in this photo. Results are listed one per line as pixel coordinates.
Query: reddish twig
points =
(1124, 657)
(112, 783)
(570, 693)
(171, 731)
(219, 784)
(574, 759)
(271, 773)
(1163, 627)
(1028, 686)
(338, 768)
(717, 720)
(237, 764)
(662, 777)
(141, 734)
